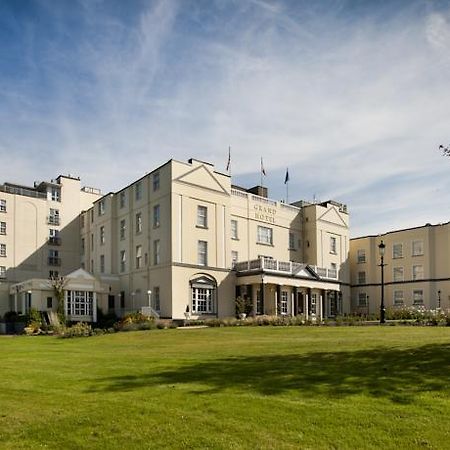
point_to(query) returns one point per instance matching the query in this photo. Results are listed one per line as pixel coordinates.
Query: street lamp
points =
(439, 300)
(382, 248)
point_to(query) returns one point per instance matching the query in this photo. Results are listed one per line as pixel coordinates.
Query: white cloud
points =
(346, 102)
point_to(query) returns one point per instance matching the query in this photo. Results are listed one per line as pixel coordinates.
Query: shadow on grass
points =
(396, 374)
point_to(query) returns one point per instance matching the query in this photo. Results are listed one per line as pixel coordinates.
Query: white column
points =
(24, 300)
(276, 300)
(292, 302)
(94, 307)
(15, 301)
(305, 300)
(321, 307)
(66, 311)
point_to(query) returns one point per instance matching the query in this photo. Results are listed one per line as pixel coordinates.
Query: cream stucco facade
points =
(417, 271)
(182, 240)
(39, 233)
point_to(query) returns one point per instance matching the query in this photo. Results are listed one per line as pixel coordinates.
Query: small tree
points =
(58, 284)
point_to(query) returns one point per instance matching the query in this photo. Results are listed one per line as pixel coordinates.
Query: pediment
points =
(201, 177)
(80, 274)
(307, 272)
(332, 215)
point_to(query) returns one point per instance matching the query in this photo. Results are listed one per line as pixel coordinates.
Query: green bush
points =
(79, 329)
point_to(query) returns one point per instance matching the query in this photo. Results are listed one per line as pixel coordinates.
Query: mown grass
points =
(265, 387)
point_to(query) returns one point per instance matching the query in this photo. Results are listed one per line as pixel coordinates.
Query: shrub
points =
(80, 329)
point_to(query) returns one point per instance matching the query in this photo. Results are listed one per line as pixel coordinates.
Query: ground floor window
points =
(259, 304)
(418, 297)
(203, 300)
(398, 298)
(313, 304)
(362, 299)
(79, 303)
(284, 302)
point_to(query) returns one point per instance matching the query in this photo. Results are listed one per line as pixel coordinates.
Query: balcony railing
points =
(54, 261)
(54, 240)
(22, 191)
(287, 267)
(53, 220)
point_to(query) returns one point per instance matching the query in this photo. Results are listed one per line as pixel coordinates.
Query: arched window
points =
(203, 294)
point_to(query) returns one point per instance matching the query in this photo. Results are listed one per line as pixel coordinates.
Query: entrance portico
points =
(289, 289)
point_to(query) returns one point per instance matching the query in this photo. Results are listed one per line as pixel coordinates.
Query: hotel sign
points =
(265, 213)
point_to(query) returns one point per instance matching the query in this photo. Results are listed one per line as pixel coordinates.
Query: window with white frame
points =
(53, 236)
(53, 274)
(156, 181)
(2, 249)
(156, 216)
(333, 245)
(56, 194)
(398, 273)
(156, 298)
(2, 205)
(265, 235)
(101, 207)
(417, 272)
(291, 241)
(122, 199)
(202, 253)
(139, 223)
(80, 303)
(102, 235)
(398, 298)
(122, 229)
(313, 309)
(123, 260)
(203, 300)
(2, 227)
(202, 216)
(362, 277)
(53, 218)
(417, 297)
(138, 190)
(234, 258)
(284, 302)
(417, 248)
(102, 263)
(234, 229)
(138, 256)
(397, 250)
(156, 251)
(2, 271)
(362, 299)
(361, 256)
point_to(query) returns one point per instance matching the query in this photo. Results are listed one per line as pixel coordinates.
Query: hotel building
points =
(416, 274)
(182, 239)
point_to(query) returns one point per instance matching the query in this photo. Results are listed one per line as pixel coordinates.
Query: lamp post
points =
(382, 248)
(149, 293)
(439, 300)
(28, 305)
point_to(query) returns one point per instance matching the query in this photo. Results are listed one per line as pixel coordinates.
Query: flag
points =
(229, 159)
(262, 167)
(286, 178)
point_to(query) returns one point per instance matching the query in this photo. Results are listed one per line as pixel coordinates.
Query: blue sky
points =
(352, 96)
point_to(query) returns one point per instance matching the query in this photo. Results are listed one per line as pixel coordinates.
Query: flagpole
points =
(261, 170)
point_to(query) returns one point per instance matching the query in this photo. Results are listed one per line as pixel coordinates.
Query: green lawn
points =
(266, 387)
